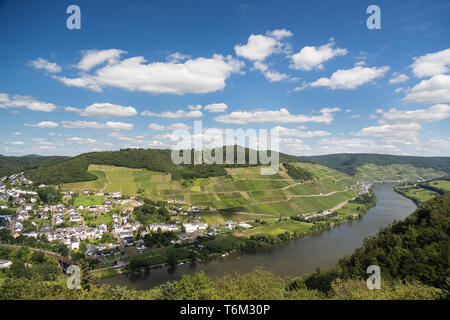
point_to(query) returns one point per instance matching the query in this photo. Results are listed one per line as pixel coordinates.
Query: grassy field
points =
(243, 195)
(444, 185)
(396, 172)
(89, 201)
(276, 227)
(420, 194)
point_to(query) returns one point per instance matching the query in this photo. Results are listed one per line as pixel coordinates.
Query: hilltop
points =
(57, 170)
(382, 167)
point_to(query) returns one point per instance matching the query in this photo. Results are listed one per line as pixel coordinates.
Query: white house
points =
(5, 264)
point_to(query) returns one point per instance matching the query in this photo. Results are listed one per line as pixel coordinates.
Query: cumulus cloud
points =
(432, 64)
(50, 67)
(216, 107)
(92, 58)
(173, 115)
(44, 124)
(288, 132)
(104, 110)
(395, 134)
(175, 126)
(196, 107)
(399, 78)
(279, 34)
(350, 78)
(258, 47)
(272, 75)
(433, 90)
(177, 57)
(79, 140)
(27, 102)
(201, 75)
(275, 116)
(311, 57)
(96, 125)
(434, 113)
(358, 145)
(155, 126)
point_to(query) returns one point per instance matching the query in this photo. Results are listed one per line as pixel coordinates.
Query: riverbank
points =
(290, 258)
(270, 235)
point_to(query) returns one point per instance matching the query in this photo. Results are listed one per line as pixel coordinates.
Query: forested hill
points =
(10, 165)
(56, 170)
(350, 162)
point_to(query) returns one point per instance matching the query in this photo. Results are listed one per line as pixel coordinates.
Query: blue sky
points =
(137, 70)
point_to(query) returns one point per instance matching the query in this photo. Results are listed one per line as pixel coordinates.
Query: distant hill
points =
(354, 163)
(10, 165)
(57, 170)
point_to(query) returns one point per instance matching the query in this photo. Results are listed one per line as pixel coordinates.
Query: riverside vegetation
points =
(412, 255)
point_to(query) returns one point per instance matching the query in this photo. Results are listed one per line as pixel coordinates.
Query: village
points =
(110, 225)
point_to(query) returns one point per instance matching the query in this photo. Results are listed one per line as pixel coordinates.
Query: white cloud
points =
(177, 57)
(82, 140)
(104, 110)
(432, 64)
(175, 126)
(155, 126)
(118, 125)
(92, 58)
(434, 113)
(350, 78)
(196, 107)
(279, 34)
(275, 116)
(17, 133)
(201, 75)
(352, 145)
(311, 57)
(44, 124)
(81, 125)
(96, 125)
(433, 90)
(287, 132)
(216, 107)
(437, 147)
(16, 143)
(398, 79)
(174, 115)
(41, 63)
(275, 76)
(395, 134)
(258, 47)
(24, 102)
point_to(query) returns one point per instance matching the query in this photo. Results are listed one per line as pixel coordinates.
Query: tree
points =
(37, 257)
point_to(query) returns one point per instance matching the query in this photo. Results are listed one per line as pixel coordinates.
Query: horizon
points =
(300, 156)
(134, 74)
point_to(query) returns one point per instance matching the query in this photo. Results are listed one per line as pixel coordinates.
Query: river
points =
(294, 257)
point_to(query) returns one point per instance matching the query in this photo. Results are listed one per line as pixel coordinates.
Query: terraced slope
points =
(396, 172)
(242, 195)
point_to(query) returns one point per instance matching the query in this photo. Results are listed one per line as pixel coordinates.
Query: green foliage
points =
(298, 173)
(50, 195)
(357, 290)
(150, 213)
(11, 165)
